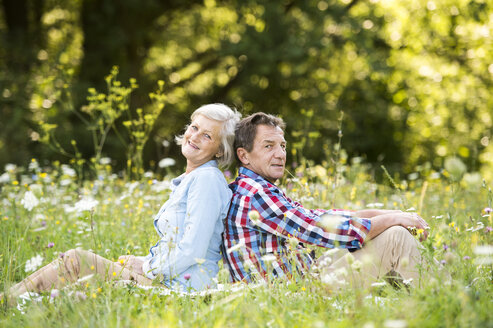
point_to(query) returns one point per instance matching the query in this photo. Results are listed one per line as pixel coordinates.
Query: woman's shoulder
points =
(208, 174)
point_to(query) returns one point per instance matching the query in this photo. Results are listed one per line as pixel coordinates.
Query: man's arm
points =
(382, 222)
(281, 217)
(369, 213)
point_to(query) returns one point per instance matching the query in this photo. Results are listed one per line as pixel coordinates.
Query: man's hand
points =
(415, 224)
(132, 263)
(409, 220)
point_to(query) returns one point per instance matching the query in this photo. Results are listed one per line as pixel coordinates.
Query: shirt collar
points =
(176, 181)
(250, 174)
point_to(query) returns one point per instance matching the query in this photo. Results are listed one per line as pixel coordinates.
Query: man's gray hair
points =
(229, 118)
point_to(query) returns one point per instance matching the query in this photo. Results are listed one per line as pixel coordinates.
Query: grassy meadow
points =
(45, 211)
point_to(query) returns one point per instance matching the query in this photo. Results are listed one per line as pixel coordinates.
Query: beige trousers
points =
(393, 251)
(75, 264)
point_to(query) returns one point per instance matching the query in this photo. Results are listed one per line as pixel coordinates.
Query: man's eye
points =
(207, 136)
(268, 146)
(283, 147)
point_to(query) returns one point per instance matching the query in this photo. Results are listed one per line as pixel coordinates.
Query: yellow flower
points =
(451, 224)
(114, 274)
(15, 182)
(92, 267)
(99, 289)
(93, 295)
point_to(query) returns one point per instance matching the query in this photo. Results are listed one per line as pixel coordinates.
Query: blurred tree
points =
(22, 38)
(413, 78)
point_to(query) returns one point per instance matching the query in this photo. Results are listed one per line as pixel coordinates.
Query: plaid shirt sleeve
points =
(282, 217)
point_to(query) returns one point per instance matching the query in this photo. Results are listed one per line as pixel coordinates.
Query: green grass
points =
(458, 294)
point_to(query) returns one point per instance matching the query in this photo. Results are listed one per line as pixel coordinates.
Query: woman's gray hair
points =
(229, 118)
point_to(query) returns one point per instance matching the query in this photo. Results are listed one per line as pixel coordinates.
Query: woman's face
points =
(201, 141)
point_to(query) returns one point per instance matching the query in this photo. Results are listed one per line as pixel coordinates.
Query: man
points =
(265, 231)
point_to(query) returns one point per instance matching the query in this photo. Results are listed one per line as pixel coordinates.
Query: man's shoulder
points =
(248, 186)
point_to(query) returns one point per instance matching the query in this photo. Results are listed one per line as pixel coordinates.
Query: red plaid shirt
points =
(275, 240)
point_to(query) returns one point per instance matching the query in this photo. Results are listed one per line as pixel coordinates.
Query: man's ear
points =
(242, 156)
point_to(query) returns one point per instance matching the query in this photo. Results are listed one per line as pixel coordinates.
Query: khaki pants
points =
(393, 251)
(75, 264)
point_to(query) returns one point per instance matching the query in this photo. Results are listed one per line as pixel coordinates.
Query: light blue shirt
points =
(190, 225)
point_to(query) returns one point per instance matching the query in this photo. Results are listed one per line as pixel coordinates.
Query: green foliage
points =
(413, 79)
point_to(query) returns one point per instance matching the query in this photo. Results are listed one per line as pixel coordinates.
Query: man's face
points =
(268, 155)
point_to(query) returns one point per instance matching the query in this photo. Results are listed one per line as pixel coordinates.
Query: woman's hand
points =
(132, 263)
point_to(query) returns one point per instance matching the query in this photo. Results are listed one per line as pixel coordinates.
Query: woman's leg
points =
(75, 264)
(393, 251)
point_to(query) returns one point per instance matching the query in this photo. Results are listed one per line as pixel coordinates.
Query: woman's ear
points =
(242, 156)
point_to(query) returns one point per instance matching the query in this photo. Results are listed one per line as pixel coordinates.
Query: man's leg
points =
(394, 250)
(75, 264)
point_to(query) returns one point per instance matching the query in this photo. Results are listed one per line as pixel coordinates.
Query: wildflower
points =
(445, 247)
(33, 263)
(4, 178)
(10, 167)
(228, 174)
(378, 284)
(54, 293)
(68, 171)
(395, 324)
(407, 282)
(330, 222)
(488, 229)
(236, 247)
(443, 262)
(254, 217)
(356, 265)
(488, 210)
(105, 161)
(199, 261)
(374, 205)
(114, 274)
(61, 255)
(34, 165)
(187, 276)
(81, 296)
(86, 204)
(466, 258)
(455, 167)
(51, 244)
(268, 258)
(350, 258)
(29, 201)
(483, 250)
(472, 180)
(165, 162)
(449, 257)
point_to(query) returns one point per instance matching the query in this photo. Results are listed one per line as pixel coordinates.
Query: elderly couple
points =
(260, 232)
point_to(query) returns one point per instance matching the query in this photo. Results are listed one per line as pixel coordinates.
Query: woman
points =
(189, 223)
